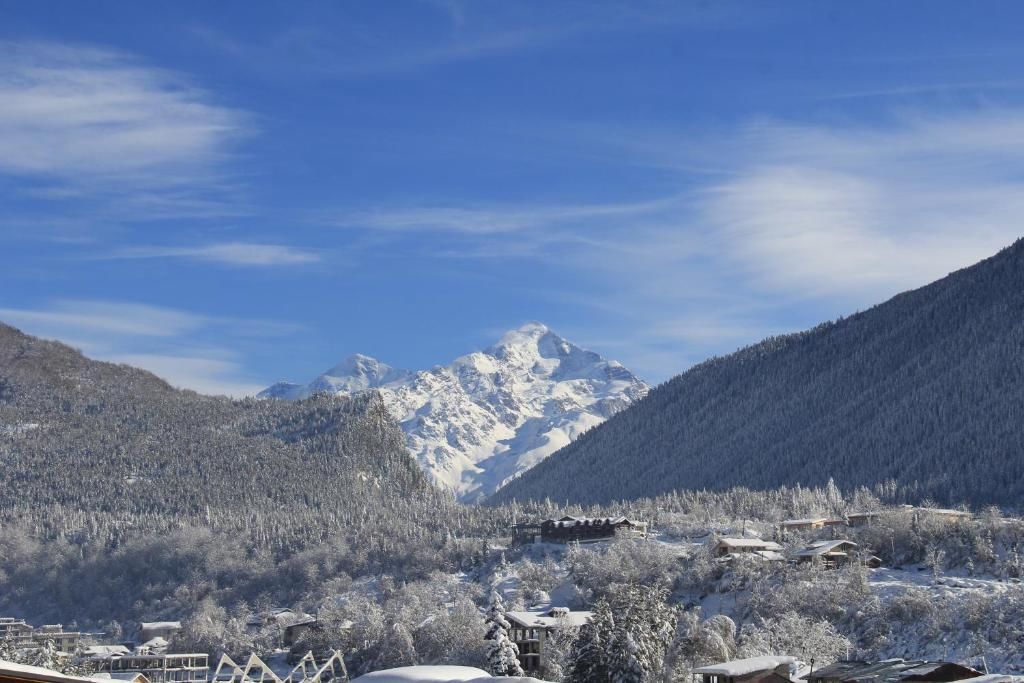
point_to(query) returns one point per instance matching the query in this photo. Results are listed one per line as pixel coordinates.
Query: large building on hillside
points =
(580, 529)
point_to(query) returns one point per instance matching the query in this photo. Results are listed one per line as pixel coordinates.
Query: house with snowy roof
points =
(832, 554)
(65, 641)
(164, 630)
(530, 630)
(769, 669)
(727, 548)
(590, 529)
(810, 523)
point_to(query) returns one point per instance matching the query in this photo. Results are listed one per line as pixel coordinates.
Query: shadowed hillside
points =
(926, 390)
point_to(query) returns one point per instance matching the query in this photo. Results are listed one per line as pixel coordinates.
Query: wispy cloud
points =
(864, 212)
(78, 122)
(799, 222)
(229, 253)
(360, 44)
(187, 349)
(493, 220)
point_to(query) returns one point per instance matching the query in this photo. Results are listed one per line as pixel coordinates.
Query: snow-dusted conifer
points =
(502, 653)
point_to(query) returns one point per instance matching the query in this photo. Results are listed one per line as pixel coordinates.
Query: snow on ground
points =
(889, 582)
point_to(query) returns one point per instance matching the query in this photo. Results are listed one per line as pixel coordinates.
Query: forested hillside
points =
(926, 390)
(117, 491)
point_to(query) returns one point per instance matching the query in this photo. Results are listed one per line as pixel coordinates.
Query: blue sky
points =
(234, 193)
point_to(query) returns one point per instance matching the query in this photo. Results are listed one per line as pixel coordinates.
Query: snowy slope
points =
(491, 414)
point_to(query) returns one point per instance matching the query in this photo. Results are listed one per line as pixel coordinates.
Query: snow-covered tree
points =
(502, 653)
(588, 659)
(793, 634)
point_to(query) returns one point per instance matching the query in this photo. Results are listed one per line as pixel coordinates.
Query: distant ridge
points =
(925, 390)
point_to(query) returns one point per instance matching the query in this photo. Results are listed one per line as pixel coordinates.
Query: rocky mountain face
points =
(490, 415)
(921, 395)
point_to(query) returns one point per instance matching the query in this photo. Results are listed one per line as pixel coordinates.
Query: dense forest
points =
(926, 390)
(121, 496)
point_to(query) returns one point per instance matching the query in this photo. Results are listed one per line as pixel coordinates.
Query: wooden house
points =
(832, 554)
(766, 550)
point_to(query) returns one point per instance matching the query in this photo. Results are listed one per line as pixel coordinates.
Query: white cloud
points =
(88, 121)
(863, 213)
(204, 375)
(189, 350)
(230, 253)
(494, 220)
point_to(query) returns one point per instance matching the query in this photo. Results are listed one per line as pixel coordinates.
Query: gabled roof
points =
(809, 520)
(755, 543)
(824, 548)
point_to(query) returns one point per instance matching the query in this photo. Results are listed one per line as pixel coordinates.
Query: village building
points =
(810, 524)
(16, 631)
(727, 548)
(588, 530)
(892, 671)
(65, 641)
(190, 667)
(163, 630)
(771, 669)
(530, 630)
(832, 554)
(101, 653)
(293, 632)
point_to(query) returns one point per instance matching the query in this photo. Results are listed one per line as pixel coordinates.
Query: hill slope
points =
(81, 438)
(926, 389)
(492, 414)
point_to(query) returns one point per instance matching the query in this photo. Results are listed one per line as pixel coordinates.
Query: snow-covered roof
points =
(153, 625)
(419, 674)
(38, 673)
(569, 521)
(755, 543)
(743, 667)
(553, 618)
(801, 522)
(823, 548)
(104, 650)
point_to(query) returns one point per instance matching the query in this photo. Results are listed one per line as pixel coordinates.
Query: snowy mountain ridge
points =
(490, 415)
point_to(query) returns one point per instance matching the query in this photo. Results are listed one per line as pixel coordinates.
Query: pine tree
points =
(502, 653)
(588, 660)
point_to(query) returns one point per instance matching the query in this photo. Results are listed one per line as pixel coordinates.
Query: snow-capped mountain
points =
(490, 415)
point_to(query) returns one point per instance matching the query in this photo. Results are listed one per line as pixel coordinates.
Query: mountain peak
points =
(488, 416)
